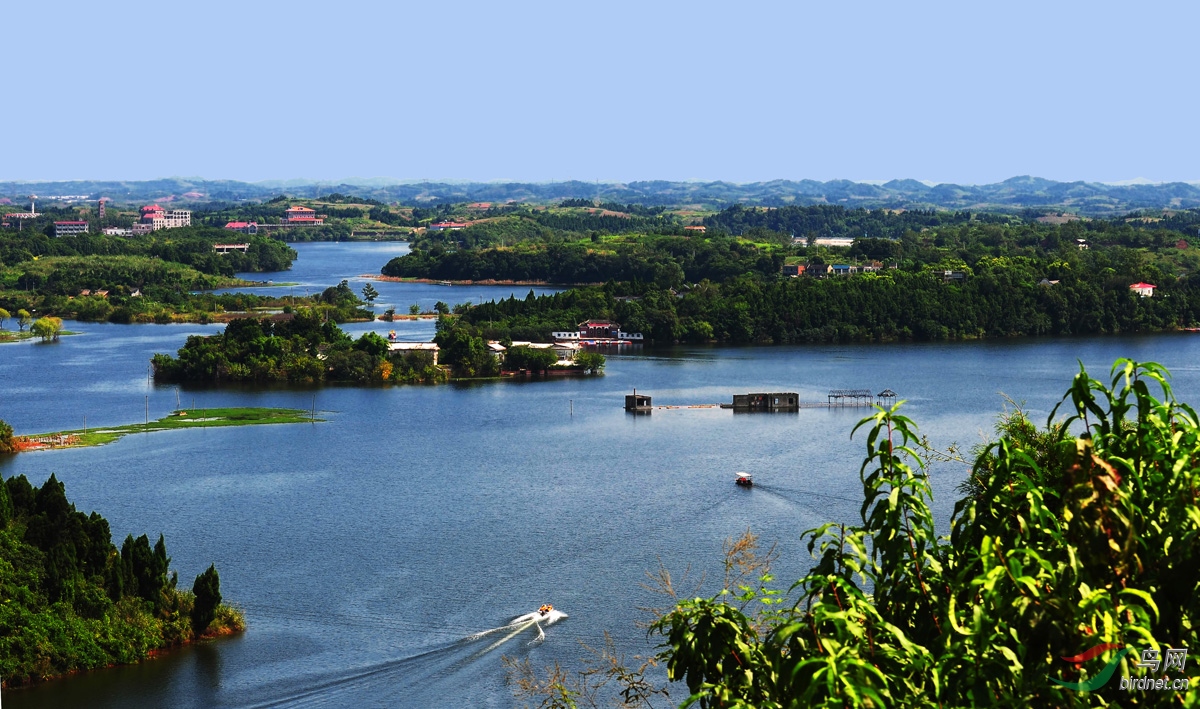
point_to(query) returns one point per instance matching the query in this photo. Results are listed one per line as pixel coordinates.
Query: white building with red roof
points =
(244, 227)
(70, 228)
(1146, 290)
(302, 216)
(157, 218)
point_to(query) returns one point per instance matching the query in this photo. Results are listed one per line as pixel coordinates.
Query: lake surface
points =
(323, 264)
(366, 548)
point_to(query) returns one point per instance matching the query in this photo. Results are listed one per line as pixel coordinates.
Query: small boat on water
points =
(444, 283)
(744, 480)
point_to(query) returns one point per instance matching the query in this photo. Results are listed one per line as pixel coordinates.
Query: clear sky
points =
(964, 91)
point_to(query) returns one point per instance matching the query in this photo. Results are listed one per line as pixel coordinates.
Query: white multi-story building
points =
(159, 218)
(70, 228)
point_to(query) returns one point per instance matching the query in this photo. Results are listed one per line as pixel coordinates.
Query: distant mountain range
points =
(1017, 193)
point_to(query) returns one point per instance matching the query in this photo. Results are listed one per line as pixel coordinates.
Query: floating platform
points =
(636, 403)
(776, 401)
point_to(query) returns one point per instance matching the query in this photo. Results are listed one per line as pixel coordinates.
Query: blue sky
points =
(967, 92)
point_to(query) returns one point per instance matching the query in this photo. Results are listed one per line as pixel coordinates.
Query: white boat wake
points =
(546, 615)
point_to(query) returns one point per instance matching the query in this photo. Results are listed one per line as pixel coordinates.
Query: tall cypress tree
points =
(208, 596)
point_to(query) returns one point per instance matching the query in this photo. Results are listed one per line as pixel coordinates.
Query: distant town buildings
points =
(117, 231)
(447, 226)
(302, 216)
(31, 214)
(155, 217)
(243, 227)
(70, 228)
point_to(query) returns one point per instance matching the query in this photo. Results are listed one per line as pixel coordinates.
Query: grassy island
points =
(72, 601)
(189, 418)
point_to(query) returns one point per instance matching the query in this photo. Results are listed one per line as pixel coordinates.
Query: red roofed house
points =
(1146, 290)
(244, 227)
(439, 226)
(70, 228)
(302, 216)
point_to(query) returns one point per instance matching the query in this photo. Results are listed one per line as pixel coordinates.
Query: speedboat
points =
(744, 479)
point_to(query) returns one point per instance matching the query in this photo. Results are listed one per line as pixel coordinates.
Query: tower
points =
(101, 209)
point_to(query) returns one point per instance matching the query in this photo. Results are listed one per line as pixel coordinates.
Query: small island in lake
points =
(184, 418)
(305, 348)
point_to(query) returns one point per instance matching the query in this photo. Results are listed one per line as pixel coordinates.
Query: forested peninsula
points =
(72, 601)
(764, 275)
(155, 277)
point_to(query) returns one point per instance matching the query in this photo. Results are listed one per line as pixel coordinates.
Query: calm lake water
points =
(324, 264)
(365, 548)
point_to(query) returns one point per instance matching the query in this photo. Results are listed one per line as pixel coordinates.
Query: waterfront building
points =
(416, 347)
(226, 248)
(600, 332)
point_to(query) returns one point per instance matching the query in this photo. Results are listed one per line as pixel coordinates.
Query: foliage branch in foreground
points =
(1081, 535)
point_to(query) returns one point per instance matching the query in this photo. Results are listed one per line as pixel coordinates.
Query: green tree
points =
(414, 309)
(590, 362)
(441, 308)
(4, 315)
(6, 435)
(23, 319)
(207, 589)
(370, 294)
(47, 328)
(528, 358)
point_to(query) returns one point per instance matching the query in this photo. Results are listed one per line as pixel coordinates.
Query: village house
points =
(565, 351)
(447, 226)
(695, 228)
(794, 270)
(1145, 290)
(226, 248)
(243, 227)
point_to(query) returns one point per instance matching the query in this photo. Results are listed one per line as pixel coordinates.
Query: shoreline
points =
(468, 282)
(151, 654)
